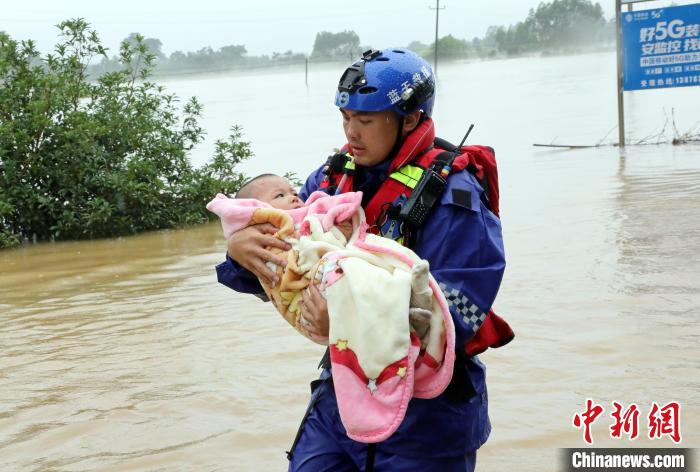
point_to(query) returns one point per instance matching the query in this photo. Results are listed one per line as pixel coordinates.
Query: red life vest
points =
(417, 153)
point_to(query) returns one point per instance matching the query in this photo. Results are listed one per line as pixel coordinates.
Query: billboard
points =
(661, 47)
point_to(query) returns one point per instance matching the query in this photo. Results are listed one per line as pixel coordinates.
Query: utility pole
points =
(620, 87)
(620, 66)
(437, 19)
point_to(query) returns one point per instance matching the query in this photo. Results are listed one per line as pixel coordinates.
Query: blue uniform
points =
(462, 241)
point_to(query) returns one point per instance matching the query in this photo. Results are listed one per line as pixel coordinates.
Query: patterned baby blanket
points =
(391, 336)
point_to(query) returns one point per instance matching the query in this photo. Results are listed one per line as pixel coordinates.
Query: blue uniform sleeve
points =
(232, 275)
(313, 182)
(462, 240)
(235, 277)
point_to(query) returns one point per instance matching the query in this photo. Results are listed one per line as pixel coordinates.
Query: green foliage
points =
(554, 27)
(451, 47)
(419, 48)
(557, 26)
(204, 60)
(81, 159)
(344, 45)
(153, 45)
(293, 179)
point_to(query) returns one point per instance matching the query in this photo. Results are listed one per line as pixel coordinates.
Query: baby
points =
(275, 192)
(271, 189)
(327, 223)
(279, 193)
(391, 336)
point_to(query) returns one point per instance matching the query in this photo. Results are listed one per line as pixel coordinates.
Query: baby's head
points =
(271, 189)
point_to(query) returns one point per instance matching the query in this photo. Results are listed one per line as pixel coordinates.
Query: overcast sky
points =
(266, 26)
(263, 26)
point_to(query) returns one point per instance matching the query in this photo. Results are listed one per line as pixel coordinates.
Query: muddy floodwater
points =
(126, 355)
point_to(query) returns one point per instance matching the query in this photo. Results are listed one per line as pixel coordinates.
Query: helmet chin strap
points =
(398, 142)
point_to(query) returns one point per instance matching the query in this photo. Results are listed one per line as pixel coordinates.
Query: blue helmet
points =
(393, 79)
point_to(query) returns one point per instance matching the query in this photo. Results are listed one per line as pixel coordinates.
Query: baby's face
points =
(277, 192)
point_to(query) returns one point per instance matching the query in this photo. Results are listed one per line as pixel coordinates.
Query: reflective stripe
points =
(350, 164)
(471, 315)
(408, 175)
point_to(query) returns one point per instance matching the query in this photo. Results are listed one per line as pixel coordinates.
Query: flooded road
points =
(126, 354)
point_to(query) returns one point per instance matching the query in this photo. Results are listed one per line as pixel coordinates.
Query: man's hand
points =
(314, 312)
(249, 246)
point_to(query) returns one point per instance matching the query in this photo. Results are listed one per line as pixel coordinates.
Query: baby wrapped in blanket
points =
(391, 336)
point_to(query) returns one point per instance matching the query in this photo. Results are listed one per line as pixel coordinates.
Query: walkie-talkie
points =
(429, 189)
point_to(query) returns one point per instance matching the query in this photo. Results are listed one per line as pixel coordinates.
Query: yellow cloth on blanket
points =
(286, 295)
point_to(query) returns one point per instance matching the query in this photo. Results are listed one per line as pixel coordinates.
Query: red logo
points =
(627, 421)
(662, 421)
(665, 421)
(592, 412)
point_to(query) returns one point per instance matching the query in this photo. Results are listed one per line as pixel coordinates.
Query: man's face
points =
(370, 134)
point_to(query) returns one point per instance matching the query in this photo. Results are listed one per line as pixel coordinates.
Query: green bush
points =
(81, 159)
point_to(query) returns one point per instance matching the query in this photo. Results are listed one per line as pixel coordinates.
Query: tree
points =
(451, 47)
(232, 53)
(558, 25)
(341, 45)
(177, 59)
(566, 22)
(419, 48)
(153, 45)
(81, 159)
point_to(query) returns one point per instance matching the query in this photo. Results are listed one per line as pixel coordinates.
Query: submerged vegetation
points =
(82, 159)
(559, 26)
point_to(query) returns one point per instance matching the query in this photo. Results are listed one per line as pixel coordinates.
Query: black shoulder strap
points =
(335, 164)
(444, 144)
(446, 157)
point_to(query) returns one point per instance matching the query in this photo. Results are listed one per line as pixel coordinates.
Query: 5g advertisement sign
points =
(661, 47)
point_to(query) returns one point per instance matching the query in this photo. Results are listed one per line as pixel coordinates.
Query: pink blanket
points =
(370, 284)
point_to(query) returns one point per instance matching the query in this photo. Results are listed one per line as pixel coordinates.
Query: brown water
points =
(126, 355)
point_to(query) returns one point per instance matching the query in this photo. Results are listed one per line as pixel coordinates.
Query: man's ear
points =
(411, 120)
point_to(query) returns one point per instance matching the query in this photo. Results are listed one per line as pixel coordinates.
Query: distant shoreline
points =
(189, 73)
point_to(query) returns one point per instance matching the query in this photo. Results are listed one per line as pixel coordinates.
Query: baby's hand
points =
(345, 227)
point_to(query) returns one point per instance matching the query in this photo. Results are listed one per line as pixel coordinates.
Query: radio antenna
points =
(471, 126)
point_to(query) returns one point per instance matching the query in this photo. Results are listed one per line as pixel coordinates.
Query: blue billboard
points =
(661, 47)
